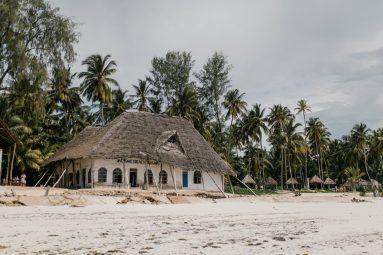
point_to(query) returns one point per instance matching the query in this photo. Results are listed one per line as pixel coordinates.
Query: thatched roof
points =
(316, 179)
(270, 181)
(291, 181)
(329, 181)
(362, 182)
(165, 139)
(7, 138)
(375, 183)
(248, 180)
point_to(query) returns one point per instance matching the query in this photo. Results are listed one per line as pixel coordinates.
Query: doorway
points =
(185, 179)
(133, 177)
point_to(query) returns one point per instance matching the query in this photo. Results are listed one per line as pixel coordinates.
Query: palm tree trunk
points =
(285, 158)
(306, 176)
(262, 166)
(291, 174)
(281, 168)
(366, 166)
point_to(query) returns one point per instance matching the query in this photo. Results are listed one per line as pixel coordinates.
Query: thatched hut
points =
(329, 182)
(248, 180)
(292, 182)
(270, 182)
(363, 183)
(8, 143)
(316, 180)
(375, 184)
(139, 149)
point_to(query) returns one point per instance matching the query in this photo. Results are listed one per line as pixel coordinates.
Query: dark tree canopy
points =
(33, 38)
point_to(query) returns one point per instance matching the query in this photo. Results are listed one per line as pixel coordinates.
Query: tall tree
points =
(34, 37)
(142, 95)
(360, 143)
(185, 105)
(98, 79)
(171, 74)
(304, 108)
(214, 78)
(234, 104)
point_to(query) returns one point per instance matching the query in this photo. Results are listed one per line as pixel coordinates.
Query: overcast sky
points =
(327, 52)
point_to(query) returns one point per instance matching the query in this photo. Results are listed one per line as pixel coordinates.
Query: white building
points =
(140, 149)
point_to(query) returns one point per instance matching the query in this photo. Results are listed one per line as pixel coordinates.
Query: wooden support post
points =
(231, 185)
(155, 182)
(13, 159)
(48, 179)
(8, 165)
(92, 171)
(62, 174)
(41, 178)
(1, 159)
(173, 172)
(245, 186)
(147, 175)
(217, 185)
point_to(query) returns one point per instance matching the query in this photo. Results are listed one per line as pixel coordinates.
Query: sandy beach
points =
(279, 224)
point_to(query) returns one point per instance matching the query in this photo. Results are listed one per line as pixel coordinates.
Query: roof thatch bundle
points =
(347, 184)
(270, 181)
(329, 181)
(291, 181)
(248, 180)
(159, 137)
(364, 183)
(316, 179)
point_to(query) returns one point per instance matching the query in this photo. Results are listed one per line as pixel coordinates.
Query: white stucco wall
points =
(111, 164)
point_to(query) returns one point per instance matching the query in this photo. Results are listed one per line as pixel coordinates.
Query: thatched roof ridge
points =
(292, 181)
(362, 182)
(169, 140)
(316, 179)
(270, 181)
(248, 180)
(329, 181)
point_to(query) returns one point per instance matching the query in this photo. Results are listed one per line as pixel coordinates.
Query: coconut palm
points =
(234, 104)
(98, 79)
(353, 175)
(278, 118)
(304, 108)
(185, 105)
(360, 143)
(120, 103)
(142, 95)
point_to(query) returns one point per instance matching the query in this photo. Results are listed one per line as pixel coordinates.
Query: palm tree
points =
(185, 105)
(278, 118)
(353, 175)
(118, 105)
(303, 107)
(234, 104)
(360, 143)
(97, 80)
(142, 95)
(319, 139)
(255, 125)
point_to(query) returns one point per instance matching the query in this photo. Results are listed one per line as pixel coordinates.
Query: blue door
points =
(185, 179)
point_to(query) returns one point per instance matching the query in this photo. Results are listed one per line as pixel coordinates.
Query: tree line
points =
(46, 104)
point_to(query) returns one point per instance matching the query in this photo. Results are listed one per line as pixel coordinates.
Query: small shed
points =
(316, 180)
(248, 180)
(270, 181)
(329, 182)
(292, 182)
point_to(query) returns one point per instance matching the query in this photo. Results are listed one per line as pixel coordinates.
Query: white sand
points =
(231, 226)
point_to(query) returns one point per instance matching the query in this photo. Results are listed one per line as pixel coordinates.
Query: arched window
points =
(150, 176)
(90, 175)
(102, 174)
(163, 177)
(117, 175)
(197, 177)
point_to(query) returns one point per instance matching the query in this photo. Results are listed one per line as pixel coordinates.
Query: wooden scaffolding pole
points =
(245, 186)
(13, 159)
(217, 185)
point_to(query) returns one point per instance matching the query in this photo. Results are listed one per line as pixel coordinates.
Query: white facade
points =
(90, 173)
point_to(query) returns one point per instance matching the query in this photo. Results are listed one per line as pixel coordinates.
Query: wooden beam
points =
(173, 173)
(13, 160)
(1, 159)
(62, 174)
(41, 178)
(147, 175)
(245, 186)
(8, 164)
(216, 185)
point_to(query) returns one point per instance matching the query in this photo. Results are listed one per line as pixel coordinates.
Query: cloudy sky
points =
(329, 52)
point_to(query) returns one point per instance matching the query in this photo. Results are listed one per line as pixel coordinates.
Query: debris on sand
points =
(355, 200)
(12, 203)
(279, 238)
